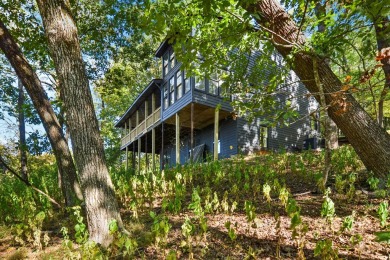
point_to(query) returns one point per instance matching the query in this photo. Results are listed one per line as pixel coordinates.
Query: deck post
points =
(125, 130)
(139, 155)
(216, 128)
(146, 135)
(177, 139)
(153, 134)
(133, 157)
(139, 140)
(162, 147)
(136, 122)
(127, 158)
(192, 133)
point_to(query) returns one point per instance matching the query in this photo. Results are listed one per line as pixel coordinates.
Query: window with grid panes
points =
(172, 90)
(166, 102)
(165, 64)
(187, 83)
(172, 60)
(214, 83)
(200, 83)
(179, 85)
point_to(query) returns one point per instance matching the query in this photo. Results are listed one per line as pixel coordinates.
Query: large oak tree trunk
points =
(370, 141)
(34, 88)
(99, 196)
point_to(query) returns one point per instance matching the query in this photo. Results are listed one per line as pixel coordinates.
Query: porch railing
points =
(142, 127)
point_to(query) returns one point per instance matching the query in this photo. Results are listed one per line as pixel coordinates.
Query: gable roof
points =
(153, 84)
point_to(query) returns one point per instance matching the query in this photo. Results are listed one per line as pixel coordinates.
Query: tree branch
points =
(28, 184)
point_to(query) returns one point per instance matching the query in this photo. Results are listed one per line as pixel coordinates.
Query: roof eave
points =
(153, 83)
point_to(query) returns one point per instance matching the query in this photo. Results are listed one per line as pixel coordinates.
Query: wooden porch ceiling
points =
(203, 116)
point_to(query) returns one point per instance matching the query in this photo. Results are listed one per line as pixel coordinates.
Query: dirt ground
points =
(259, 240)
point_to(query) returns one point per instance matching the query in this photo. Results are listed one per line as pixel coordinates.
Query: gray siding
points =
(227, 137)
(177, 106)
(201, 97)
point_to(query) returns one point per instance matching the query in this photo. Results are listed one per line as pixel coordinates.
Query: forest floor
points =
(267, 237)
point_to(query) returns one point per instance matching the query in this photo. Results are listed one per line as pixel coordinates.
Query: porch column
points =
(177, 139)
(133, 156)
(125, 130)
(153, 134)
(127, 158)
(216, 128)
(139, 141)
(136, 122)
(162, 147)
(146, 134)
(139, 154)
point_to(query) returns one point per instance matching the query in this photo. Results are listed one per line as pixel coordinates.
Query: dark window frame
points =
(165, 96)
(179, 93)
(172, 91)
(204, 89)
(165, 64)
(187, 80)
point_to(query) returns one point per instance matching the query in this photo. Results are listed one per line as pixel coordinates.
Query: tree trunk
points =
(369, 140)
(382, 34)
(46, 113)
(331, 127)
(101, 204)
(327, 131)
(22, 133)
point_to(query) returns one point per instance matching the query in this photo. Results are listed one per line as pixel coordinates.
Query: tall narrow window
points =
(172, 60)
(165, 89)
(172, 90)
(187, 83)
(214, 83)
(179, 86)
(200, 83)
(263, 137)
(165, 64)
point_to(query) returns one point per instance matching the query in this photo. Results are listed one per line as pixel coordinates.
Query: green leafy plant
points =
(122, 244)
(383, 236)
(160, 228)
(31, 231)
(383, 213)
(188, 230)
(231, 231)
(81, 234)
(373, 182)
(195, 204)
(324, 249)
(267, 192)
(250, 211)
(328, 209)
(348, 222)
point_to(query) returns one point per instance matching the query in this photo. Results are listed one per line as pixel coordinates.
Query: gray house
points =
(184, 118)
